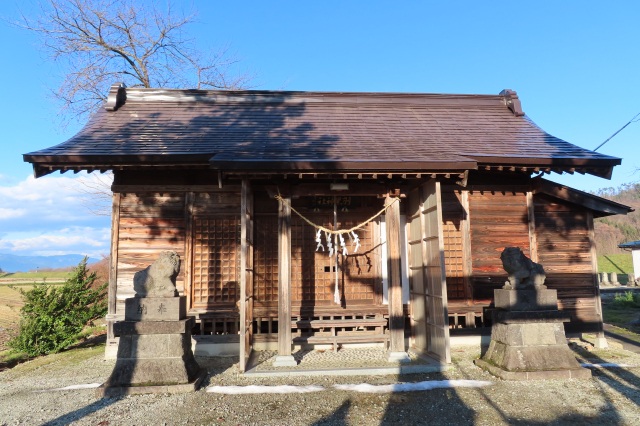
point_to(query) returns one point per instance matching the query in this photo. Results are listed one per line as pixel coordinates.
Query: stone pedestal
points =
(154, 353)
(528, 339)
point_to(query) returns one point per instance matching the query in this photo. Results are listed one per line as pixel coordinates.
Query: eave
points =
(600, 206)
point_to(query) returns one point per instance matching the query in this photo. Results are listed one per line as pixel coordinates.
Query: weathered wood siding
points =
(559, 232)
(149, 224)
(564, 250)
(499, 219)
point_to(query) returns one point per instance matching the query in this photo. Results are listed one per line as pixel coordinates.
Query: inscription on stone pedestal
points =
(155, 309)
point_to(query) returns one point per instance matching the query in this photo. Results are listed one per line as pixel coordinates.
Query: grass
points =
(35, 276)
(11, 358)
(82, 352)
(91, 342)
(621, 263)
(623, 312)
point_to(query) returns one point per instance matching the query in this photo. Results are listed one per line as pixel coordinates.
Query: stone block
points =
(537, 334)
(576, 373)
(531, 358)
(155, 308)
(526, 300)
(106, 391)
(153, 371)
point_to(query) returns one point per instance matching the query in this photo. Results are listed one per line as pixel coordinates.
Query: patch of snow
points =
(72, 387)
(606, 365)
(259, 389)
(413, 387)
(363, 387)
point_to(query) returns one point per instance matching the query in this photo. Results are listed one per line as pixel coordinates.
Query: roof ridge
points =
(119, 94)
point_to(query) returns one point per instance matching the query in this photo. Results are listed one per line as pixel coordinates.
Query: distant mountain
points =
(14, 263)
(613, 230)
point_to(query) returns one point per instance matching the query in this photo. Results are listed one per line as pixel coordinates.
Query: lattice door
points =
(216, 262)
(313, 273)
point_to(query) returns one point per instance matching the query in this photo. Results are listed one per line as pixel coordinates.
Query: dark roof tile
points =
(298, 129)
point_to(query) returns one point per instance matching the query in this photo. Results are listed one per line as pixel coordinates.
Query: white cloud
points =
(11, 213)
(56, 215)
(93, 242)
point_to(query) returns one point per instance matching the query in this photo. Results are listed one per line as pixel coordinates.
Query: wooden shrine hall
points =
(307, 218)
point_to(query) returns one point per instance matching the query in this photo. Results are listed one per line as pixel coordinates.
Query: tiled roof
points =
(294, 131)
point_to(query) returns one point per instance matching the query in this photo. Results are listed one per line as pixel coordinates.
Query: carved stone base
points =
(152, 353)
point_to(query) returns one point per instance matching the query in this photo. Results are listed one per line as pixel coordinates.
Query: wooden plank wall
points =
(564, 250)
(149, 224)
(499, 219)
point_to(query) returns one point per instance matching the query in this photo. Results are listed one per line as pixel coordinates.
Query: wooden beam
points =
(396, 313)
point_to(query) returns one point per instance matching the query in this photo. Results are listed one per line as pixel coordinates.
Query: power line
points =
(633, 120)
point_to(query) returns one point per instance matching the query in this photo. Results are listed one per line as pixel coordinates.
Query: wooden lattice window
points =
(453, 259)
(216, 262)
(453, 216)
(265, 260)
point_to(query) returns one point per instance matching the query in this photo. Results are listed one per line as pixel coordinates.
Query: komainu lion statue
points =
(523, 272)
(159, 278)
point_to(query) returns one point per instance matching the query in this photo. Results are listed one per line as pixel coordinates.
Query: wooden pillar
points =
(533, 239)
(284, 358)
(246, 274)
(396, 312)
(601, 340)
(112, 344)
(188, 248)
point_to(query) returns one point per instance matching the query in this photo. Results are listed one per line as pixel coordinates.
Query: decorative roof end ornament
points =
(512, 102)
(117, 97)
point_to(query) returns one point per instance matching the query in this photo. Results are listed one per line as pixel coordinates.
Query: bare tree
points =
(142, 44)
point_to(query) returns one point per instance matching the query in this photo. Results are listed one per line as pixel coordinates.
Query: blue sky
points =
(575, 66)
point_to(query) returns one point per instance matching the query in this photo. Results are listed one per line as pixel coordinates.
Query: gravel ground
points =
(611, 397)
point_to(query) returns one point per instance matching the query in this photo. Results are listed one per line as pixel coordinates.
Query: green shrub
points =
(628, 299)
(53, 317)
